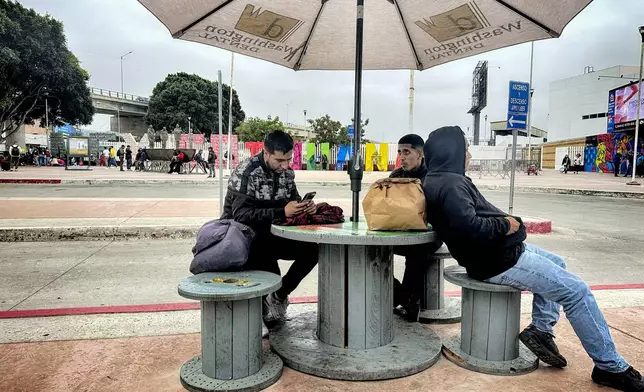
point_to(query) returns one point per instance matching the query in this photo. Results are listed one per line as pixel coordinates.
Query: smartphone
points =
(308, 197)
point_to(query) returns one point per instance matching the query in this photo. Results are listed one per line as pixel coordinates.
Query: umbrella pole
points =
(355, 168)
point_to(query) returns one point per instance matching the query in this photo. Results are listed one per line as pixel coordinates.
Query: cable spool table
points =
(232, 357)
(354, 335)
(435, 306)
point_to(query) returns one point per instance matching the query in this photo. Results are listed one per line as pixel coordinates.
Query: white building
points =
(578, 105)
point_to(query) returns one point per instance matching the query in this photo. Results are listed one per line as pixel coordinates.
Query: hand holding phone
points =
(308, 197)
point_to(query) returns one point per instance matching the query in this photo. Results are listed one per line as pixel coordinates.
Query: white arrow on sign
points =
(512, 121)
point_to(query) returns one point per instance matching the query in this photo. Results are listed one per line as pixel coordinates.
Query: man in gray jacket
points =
(261, 191)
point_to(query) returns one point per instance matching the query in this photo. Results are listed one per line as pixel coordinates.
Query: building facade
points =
(579, 105)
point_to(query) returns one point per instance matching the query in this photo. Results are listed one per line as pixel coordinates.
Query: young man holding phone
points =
(261, 190)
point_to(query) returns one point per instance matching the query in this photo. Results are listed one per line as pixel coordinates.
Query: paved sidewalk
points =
(153, 363)
(550, 182)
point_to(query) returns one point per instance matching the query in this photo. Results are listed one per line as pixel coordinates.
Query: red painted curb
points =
(29, 181)
(153, 308)
(537, 225)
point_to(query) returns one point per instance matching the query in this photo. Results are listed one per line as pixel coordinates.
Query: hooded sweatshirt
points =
(474, 230)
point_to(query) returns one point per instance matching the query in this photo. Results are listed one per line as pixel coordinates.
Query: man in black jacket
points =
(261, 191)
(490, 245)
(407, 295)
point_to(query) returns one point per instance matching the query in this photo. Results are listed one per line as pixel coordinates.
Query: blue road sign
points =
(518, 105)
(350, 132)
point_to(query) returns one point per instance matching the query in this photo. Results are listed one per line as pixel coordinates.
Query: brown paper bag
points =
(395, 204)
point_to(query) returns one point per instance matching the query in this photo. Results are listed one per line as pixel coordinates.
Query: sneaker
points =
(629, 380)
(543, 346)
(274, 309)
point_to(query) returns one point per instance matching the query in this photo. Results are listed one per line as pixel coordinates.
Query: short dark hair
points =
(416, 141)
(278, 141)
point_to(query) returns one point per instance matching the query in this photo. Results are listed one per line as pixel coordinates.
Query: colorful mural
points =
(310, 156)
(600, 150)
(297, 156)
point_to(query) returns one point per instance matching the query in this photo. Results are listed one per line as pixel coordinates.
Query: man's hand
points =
(294, 208)
(514, 225)
(310, 208)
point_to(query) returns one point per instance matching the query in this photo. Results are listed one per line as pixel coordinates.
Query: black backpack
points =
(15, 151)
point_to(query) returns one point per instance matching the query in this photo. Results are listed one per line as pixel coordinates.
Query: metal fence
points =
(118, 95)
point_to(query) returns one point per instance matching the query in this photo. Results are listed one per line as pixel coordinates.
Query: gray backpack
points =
(222, 245)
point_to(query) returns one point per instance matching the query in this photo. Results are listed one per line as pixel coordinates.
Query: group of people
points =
(489, 243)
(123, 156)
(208, 165)
(577, 164)
(33, 156)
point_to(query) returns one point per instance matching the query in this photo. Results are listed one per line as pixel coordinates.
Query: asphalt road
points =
(616, 218)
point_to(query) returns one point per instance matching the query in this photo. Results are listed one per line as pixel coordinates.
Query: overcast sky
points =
(100, 31)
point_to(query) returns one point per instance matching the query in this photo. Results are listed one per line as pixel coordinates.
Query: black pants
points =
(175, 167)
(416, 259)
(617, 163)
(267, 249)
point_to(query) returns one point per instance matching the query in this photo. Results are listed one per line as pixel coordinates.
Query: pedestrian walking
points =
(566, 164)
(577, 164)
(15, 156)
(200, 161)
(212, 158)
(128, 157)
(120, 156)
(112, 160)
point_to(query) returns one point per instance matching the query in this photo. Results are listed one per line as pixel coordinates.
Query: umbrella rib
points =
(548, 30)
(419, 64)
(181, 32)
(298, 63)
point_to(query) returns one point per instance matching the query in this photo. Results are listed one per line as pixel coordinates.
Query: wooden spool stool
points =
(434, 306)
(232, 357)
(489, 338)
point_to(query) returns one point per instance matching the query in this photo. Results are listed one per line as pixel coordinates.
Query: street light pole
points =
(529, 119)
(189, 132)
(118, 112)
(287, 105)
(637, 116)
(230, 112)
(411, 101)
(122, 93)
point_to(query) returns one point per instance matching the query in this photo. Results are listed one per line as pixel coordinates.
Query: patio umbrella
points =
(349, 35)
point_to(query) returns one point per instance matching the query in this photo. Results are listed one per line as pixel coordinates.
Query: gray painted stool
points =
(435, 307)
(354, 335)
(232, 357)
(489, 339)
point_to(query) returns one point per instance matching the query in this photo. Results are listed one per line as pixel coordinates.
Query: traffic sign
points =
(518, 104)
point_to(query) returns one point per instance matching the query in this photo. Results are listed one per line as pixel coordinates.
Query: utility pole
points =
(230, 112)
(528, 124)
(411, 101)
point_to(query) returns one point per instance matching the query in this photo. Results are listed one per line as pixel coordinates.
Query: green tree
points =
(343, 135)
(182, 95)
(326, 130)
(255, 129)
(35, 63)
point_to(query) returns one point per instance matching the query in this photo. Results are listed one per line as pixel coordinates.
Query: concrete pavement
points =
(549, 182)
(152, 363)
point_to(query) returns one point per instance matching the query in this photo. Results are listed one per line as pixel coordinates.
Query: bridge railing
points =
(119, 95)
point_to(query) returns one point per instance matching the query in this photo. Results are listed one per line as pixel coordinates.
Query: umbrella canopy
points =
(399, 34)
(348, 35)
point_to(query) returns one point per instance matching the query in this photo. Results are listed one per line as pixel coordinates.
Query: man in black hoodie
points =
(489, 244)
(408, 293)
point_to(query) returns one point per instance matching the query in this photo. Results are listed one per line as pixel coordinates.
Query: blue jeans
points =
(545, 275)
